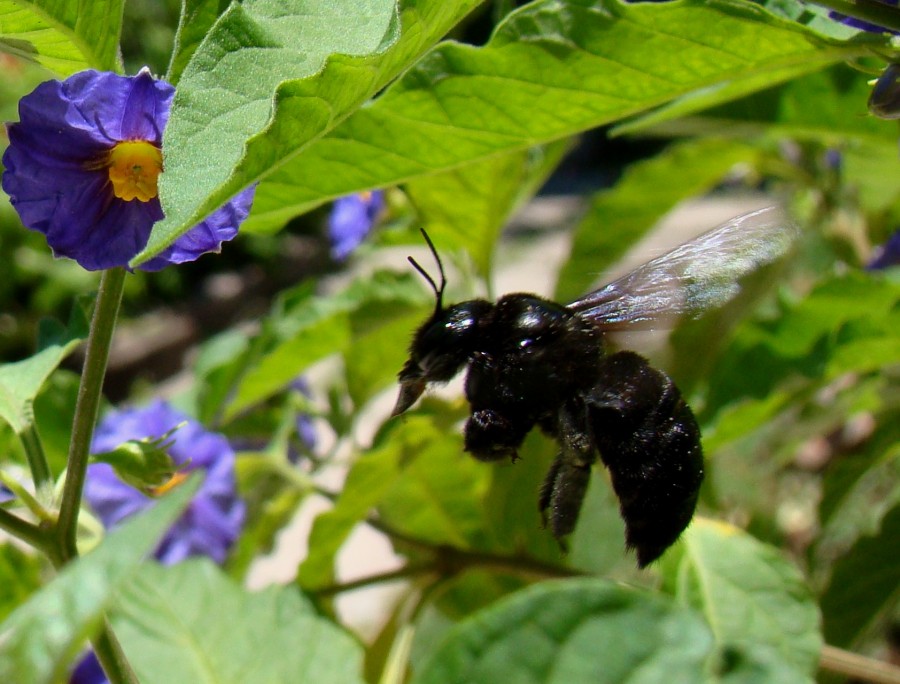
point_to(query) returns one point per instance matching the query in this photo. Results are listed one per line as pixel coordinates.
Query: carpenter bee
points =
(532, 361)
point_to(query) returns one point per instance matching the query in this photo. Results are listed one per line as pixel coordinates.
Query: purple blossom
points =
(306, 429)
(351, 219)
(82, 166)
(213, 519)
(888, 254)
(88, 671)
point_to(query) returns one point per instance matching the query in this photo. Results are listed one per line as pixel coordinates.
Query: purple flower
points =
(88, 671)
(213, 519)
(351, 219)
(303, 423)
(82, 168)
(888, 254)
(862, 24)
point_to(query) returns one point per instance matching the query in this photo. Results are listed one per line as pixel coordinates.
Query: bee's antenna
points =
(438, 291)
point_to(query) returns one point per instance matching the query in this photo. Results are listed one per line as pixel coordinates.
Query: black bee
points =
(532, 362)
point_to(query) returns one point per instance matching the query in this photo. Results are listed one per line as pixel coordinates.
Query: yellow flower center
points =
(134, 166)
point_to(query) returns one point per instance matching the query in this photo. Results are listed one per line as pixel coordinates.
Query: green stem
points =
(87, 406)
(112, 659)
(24, 530)
(37, 459)
(835, 659)
(406, 572)
(872, 11)
(27, 499)
(106, 310)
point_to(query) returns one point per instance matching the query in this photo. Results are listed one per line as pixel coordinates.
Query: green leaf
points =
(829, 105)
(618, 217)
(288, 360)
(439, 496)
(512, 501)
(217, 369)
(467, 207)
(869, 168)
(195, 21)
(304, 328)
(847, 323)
(369, 482)
(179, 624)
(40, 639)
(20, 576)
(374, 359)
(54, 411)
(865, 585)
(552, 69)
(64, 36)
(756, 602)
(21, 381)
(270, 77)
(573, 632)
(272, 490)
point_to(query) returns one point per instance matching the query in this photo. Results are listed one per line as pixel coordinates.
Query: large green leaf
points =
(573, 632)
(829, 105)
(63, 35)
(40, 639)
(467, 207)
(865, 585)
(270, 77)
(552, 69)
(756, 602)
(21, 381)
(191, 623)
(618, 217)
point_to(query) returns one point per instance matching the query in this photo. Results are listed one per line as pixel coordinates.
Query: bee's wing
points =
(698, 275)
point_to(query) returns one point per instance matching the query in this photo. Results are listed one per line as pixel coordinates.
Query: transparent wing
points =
(698, 275)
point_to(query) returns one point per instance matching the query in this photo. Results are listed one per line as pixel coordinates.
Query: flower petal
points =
(214, 518)
(208, 235)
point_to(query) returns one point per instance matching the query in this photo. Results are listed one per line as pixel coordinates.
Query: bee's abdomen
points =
(649, 440)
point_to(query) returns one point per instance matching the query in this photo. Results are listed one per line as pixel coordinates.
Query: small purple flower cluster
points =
(352, 218)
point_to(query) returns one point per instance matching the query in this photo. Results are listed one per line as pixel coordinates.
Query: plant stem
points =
(37, 459)
(24, 530)
(87, 406)
(406, 572)
(112, 659)
(854, 665)
(106, 310)
(872, 11)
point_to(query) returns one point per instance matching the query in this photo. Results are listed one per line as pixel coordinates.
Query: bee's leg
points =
(491, 436)
(566, 483)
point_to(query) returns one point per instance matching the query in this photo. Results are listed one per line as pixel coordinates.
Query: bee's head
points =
(441, 345)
